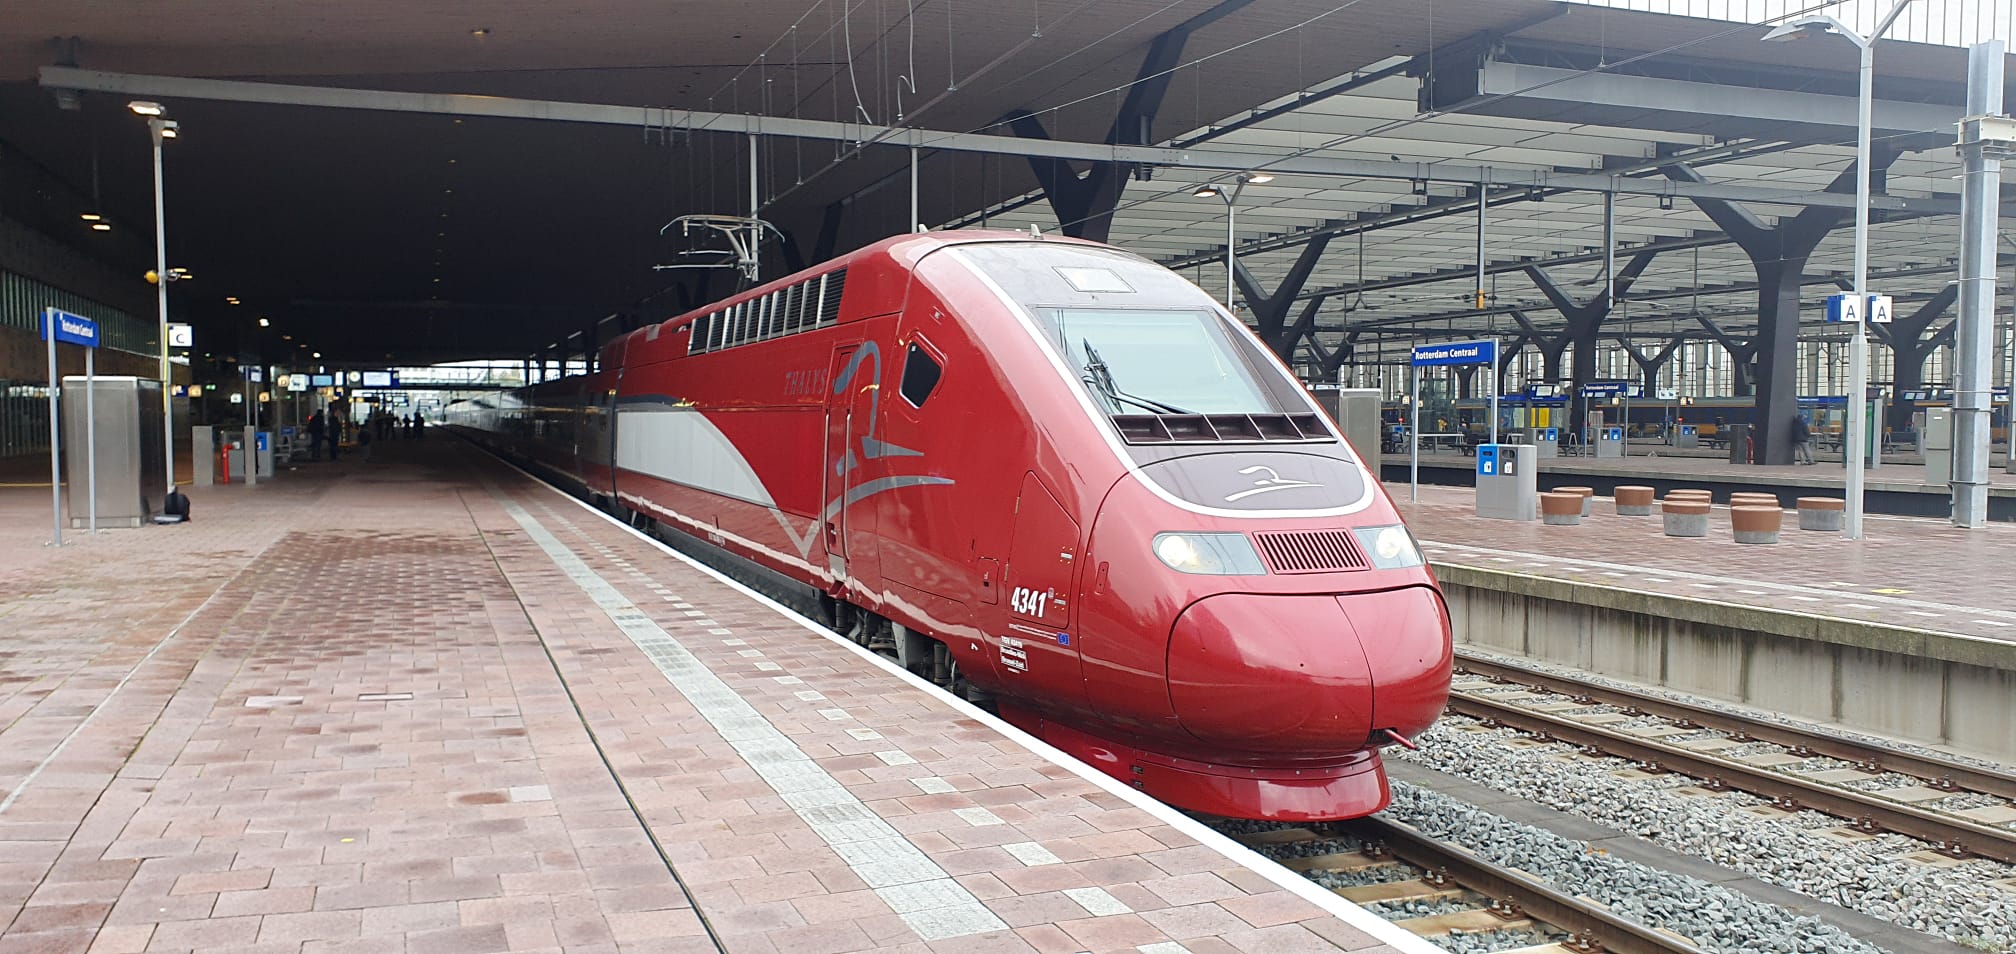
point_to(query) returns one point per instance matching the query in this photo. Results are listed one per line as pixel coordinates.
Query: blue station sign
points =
(1460, 352)
(1595, 389)
(70, 329)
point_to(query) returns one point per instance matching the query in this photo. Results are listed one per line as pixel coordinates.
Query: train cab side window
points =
(921, 372)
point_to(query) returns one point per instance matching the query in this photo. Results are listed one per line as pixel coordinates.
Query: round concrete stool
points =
(1561, 509)
(1822, 513)
(1634, 501)
(1685, 518)
(1748, 498)
(1755, 524)
(1689, 495)
(1587, 493)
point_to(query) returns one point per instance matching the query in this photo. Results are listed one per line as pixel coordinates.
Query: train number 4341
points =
(1030, 602)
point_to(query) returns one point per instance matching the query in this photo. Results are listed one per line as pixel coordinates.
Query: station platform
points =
(1909, 632)
(427, 704)
(1907, 573)
(1895, 488)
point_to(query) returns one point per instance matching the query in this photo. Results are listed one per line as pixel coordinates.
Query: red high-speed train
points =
(1048, 472)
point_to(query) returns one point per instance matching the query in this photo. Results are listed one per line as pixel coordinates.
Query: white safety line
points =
(102, 704)
(1828, 594)
(1383, 930)
(934, 905)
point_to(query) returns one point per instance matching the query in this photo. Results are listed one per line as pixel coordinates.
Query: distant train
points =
(1046, 472)
(1650, 417)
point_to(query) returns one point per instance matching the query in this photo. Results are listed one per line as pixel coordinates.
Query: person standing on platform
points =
(1802, 440)
(335, 434)
(419, 423)
(364, 438)
(316, 430)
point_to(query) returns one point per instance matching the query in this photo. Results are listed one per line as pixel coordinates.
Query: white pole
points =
(1494, 390)
(91, 433)
(55, 439)
(1853, 454)
(154, 126)
(916, 220)
(251, 432)
(1231, 236)
(1413, 430)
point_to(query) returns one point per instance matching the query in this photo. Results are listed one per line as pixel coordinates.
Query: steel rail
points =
(1933, 768)
(1948, 833)
(1584, 917)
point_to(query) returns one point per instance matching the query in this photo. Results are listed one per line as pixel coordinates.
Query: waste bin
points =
(1739, 442)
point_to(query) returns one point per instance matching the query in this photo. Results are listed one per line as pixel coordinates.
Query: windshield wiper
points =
(1101, 378)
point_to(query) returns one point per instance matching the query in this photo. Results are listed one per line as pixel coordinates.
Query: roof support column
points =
(1585, 323)
(1270, 310)
(1330, 362)
(1649, 367)
(1909, 347)
(1974, 346)
(1084, 205)
(1778, 254)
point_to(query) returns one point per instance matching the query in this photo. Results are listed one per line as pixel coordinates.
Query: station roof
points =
(366, 234)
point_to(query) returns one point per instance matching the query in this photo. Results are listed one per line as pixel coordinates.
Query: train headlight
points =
(1217, 554)
(1391, 548)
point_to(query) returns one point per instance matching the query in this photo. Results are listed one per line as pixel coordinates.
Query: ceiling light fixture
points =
(264, 322)
(91, 217)
(169, 129)
(145, 108)
(101, 227)
(1207, 191)
(480, 32)
(1258, 178)
(230, 299)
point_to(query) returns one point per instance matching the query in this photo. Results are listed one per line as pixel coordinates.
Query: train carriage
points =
(1051, 473)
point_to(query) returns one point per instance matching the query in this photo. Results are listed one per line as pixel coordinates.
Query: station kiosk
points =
(125, 421)
(203, 454)
(1356, 411)
(1609, 441)
(1507, 482)
(1937, 435)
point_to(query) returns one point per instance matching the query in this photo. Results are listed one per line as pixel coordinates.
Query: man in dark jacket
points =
(1802, 440)
(316, 427)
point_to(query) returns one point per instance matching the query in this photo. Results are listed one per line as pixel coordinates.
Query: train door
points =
(851, 406)
(1041, 581)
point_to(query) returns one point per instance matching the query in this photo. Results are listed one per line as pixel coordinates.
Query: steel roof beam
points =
(1221, 160)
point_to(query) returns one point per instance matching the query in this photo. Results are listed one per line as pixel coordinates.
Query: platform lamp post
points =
(162, 128)
(1218, 190)
(1856, 441)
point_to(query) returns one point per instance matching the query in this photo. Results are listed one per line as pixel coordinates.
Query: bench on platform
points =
(1685, 518)
(1822, 513)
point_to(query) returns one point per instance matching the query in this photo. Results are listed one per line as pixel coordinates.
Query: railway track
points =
(1957, 808)
(1448, 895)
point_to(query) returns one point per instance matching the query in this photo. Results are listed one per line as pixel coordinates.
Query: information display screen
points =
(377, 379)
(322, 381)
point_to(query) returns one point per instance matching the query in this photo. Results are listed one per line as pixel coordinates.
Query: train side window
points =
(921, 372)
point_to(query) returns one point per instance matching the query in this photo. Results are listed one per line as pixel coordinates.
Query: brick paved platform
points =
(427, 705)
(1909, 573)
(1895, 488)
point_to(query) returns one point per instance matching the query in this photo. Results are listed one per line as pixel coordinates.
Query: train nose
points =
(1306, 673)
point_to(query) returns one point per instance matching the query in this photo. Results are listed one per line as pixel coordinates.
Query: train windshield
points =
(1157, 362)
(1139, 337)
